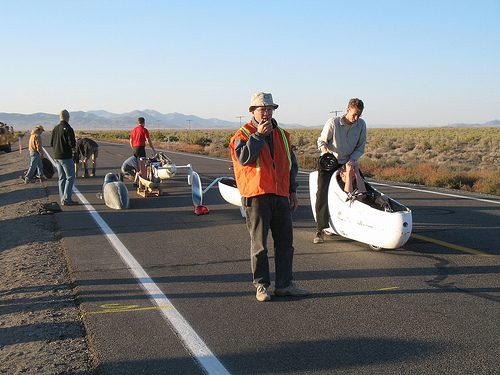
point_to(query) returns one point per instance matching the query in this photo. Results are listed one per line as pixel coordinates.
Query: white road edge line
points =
(207, 360)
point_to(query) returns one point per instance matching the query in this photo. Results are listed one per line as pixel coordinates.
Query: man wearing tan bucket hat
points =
(265, 168)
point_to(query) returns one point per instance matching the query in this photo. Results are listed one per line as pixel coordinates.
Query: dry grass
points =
(456, 158)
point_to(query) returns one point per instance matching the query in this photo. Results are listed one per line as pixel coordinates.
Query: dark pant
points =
(264, 212)
(140, 151)
(322, 212)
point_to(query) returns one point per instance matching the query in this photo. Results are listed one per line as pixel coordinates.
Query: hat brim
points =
(252, 108)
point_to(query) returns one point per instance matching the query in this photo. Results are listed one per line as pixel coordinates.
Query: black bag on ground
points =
(48, 168)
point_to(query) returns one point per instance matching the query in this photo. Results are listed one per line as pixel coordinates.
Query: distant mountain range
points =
(99, 120)
(103, 120)
(486, 124)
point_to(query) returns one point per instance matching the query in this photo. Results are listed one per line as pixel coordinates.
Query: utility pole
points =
(336, 112)
(240, 119)
(189, 122)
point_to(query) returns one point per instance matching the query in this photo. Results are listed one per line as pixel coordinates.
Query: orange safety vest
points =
(265, 175)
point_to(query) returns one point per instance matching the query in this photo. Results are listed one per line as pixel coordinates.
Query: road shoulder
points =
(39, 329)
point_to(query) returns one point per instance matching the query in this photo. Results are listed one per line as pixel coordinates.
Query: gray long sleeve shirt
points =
(345, 144)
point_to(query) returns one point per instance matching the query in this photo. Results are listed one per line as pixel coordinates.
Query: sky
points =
(413, 63)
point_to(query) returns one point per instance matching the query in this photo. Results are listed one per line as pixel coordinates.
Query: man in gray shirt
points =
(345, 138)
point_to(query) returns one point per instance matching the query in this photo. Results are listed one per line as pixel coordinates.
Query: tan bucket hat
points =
(262, 99)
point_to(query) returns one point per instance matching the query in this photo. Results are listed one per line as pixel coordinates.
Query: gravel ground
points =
(40, 332)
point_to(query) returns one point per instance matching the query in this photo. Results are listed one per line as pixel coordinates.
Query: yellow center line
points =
(389, 288)
(451, 246)
(116, 307)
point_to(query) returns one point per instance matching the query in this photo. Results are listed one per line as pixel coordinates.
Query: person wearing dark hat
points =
(344, 137)
(36, 154)
(138, 138)
(265, 168)
(86, 148)
(63, 142)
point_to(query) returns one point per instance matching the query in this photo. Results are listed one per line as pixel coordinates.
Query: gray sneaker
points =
(69, 203)
(262, 294)
(291, 290)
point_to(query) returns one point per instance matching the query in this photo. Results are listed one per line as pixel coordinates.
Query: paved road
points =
(431, 307)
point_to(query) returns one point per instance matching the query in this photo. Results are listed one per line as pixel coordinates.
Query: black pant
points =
(322, 212)
(140, 151)
(264, 212)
